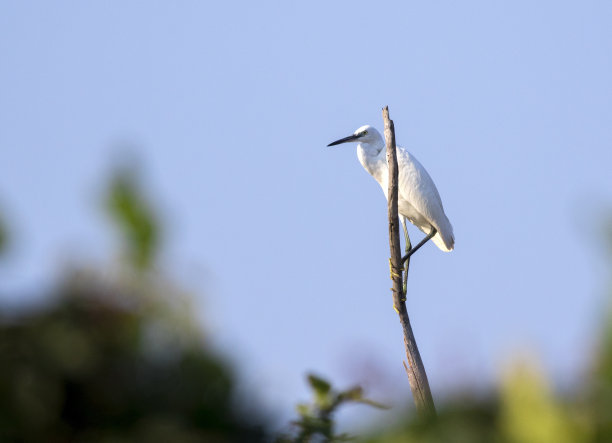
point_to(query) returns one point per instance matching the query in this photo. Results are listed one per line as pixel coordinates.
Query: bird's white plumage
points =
(418, 197)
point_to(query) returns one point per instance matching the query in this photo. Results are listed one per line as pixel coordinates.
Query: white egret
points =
(418, 198)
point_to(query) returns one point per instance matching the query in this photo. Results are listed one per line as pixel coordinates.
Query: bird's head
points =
(366, 134)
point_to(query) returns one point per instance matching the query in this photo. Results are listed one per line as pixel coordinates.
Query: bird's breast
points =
(376, 165)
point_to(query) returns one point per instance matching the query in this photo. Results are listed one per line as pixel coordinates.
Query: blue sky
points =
(229, 106)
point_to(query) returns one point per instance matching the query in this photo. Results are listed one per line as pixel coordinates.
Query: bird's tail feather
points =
(444, 239)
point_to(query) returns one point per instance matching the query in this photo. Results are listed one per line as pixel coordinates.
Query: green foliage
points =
(134, 218)
(524, 410)
(85, 369)
(316, 420)
(118, 359)
(115, 356)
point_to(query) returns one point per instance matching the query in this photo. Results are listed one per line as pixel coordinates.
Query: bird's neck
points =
(372, 157)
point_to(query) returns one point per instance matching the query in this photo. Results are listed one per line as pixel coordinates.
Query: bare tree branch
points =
(415, 369)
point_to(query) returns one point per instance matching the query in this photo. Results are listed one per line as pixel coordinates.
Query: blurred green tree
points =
(115, 357)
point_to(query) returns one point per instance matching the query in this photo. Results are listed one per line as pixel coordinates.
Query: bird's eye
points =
(364, 133)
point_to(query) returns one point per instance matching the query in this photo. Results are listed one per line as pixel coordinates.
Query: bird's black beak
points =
(350, 138)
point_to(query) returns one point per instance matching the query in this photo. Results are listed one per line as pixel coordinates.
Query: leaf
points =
(320, 386)
(134, 218)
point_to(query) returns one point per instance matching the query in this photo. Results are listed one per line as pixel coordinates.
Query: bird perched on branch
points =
(418, 198)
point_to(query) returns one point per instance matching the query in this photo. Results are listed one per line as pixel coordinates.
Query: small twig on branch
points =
(415, 369)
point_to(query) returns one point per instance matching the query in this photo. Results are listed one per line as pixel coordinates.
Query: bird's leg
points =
(408, 247)
(417, 247)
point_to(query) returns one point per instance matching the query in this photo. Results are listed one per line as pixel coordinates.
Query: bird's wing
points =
(418, 189)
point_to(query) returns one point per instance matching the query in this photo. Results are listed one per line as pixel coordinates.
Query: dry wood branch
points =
(416, 371)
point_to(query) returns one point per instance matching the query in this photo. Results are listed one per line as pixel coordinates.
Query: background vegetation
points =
(116, 355)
